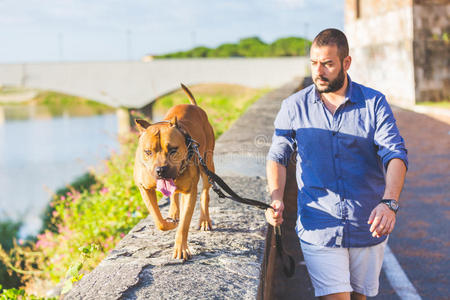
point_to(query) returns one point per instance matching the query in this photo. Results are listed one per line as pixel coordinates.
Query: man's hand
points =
(382, 219)
(275, 216)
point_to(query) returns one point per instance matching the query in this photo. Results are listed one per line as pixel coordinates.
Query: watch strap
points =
(392, 204)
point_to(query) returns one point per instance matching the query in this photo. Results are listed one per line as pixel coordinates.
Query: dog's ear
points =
(173, 122)
(141, 125)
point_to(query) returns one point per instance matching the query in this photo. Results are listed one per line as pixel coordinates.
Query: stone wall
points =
(401, 48)
(432, 50)
(380, 41)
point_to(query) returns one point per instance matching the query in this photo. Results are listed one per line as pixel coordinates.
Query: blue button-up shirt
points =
(341, 160)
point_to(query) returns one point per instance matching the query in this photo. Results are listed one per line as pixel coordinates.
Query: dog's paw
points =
(168, 224)
(181, 252)
(205, 225)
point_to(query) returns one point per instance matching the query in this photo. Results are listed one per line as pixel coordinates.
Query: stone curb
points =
(227, 260)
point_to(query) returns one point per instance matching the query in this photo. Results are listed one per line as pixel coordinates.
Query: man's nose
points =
(319, 69)
(161, 171)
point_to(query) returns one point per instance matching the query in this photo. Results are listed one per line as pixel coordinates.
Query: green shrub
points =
(8, 233)
(249, 47)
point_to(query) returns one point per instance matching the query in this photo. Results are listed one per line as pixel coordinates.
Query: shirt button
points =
(336, 155)
(334, 133)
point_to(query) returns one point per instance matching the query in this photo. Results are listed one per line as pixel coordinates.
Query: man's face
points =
(328, 72)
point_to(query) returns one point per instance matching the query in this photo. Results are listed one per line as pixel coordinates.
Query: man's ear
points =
(173, 122)
(347, 62)
(141, 125)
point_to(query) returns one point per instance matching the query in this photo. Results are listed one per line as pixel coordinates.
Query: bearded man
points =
(351, 165)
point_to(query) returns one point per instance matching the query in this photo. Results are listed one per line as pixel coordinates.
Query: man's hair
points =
(332, 36)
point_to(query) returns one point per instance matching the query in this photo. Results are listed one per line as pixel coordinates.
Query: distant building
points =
(401, 47)
(147, 58)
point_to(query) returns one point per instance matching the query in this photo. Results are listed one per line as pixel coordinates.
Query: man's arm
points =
(382, 218)
(276, 179)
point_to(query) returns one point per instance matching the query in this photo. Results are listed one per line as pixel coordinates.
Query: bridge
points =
(137, 84)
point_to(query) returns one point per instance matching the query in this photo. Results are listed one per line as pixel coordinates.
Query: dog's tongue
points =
(165, 186)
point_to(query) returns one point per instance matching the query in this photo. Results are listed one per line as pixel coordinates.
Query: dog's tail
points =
(188, 92)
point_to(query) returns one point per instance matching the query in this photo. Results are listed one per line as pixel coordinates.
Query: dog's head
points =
(162, 148)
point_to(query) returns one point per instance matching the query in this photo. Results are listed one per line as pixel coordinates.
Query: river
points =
(40, 153)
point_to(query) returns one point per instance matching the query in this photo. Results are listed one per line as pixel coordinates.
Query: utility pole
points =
(193, 38)
(306, 37)
(128, 37)
(60, 46)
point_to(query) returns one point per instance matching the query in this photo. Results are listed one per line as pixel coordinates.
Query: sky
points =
(114, 30)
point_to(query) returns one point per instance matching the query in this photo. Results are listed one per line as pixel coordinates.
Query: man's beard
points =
(334, 85)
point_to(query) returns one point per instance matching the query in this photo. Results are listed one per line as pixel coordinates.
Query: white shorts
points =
(338, 270)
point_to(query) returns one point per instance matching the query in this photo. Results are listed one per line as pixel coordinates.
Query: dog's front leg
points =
(149, 197)
(174, 210)
(181, 250)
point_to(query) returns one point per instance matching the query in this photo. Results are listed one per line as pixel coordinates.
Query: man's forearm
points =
(395, 178)
(276, 179)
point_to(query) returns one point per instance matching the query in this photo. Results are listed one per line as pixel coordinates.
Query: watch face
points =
(394, 205)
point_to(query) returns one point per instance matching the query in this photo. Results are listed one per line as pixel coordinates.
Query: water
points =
(40, 153)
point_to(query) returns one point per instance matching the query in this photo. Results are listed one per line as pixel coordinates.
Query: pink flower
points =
(55, 213)
(76, 196)
(63, 198)
(104, 190)
(21, 242)
(45, 240)
(122, 235)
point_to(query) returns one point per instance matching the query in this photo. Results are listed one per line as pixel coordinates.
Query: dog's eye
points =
(148, 152)
(173, 150)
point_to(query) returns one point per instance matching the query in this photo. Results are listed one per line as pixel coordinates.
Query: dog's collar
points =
(189, 143)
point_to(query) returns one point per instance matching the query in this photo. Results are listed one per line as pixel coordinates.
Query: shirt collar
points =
(349, 94)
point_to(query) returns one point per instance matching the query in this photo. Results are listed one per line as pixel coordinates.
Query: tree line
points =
(249, 47)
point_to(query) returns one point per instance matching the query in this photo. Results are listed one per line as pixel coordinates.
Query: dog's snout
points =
(161, 171)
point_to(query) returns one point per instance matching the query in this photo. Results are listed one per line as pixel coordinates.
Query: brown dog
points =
(165, 162)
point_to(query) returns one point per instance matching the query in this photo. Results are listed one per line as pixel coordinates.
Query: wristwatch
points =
(391, 203)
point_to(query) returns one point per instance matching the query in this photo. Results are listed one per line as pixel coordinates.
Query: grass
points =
(86, 220)
(58, 104)
(224, 103)
(442, 104)
(8, 90)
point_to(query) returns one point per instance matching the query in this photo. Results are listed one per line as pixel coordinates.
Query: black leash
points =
(289, 267)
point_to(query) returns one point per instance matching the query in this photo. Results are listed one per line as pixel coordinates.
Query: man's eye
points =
(148, 152)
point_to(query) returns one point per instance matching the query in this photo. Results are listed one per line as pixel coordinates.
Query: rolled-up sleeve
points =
(283, 139)
(387, 136)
